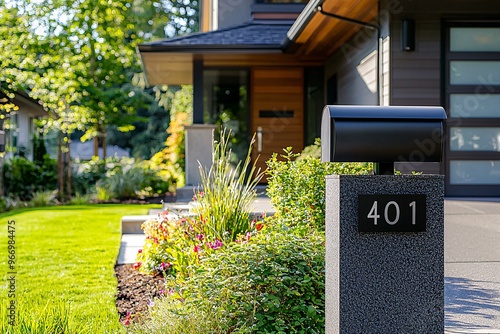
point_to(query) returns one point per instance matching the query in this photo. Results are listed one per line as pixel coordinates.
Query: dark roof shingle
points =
(247, 35)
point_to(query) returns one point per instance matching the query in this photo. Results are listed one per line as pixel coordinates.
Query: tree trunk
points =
(60, 167)
(69, 171)
(96, 146)
(103, 142)
(2, 186)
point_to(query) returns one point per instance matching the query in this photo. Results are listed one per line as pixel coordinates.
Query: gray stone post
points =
(198, 150)
(379, 281)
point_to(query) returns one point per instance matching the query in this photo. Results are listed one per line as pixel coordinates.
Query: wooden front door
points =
(277, 111)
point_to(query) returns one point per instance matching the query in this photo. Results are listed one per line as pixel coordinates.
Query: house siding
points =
(233, 12)
(416, 74)
(355, 65)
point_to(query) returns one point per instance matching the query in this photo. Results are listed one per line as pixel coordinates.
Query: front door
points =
(277, 111)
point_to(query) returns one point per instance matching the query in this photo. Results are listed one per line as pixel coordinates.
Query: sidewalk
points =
(472, 263)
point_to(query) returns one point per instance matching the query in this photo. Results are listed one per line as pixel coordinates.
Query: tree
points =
(78, 57)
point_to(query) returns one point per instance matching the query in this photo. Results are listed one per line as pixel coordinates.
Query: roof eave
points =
(300, 23)
(202, 49)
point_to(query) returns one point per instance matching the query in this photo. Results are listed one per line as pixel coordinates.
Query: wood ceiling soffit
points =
(324, 35)
(256, 60)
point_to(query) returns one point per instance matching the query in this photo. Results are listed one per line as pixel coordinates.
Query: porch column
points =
(198, 91)
(199, 143)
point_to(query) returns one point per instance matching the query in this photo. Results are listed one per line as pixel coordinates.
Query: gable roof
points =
(250, 35)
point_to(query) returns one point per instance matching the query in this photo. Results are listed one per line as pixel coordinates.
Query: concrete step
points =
(129, 246)
(132, 224)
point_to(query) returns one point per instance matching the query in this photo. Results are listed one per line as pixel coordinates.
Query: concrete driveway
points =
(472, 266)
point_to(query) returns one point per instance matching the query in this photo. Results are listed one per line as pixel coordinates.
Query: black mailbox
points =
(383, 135)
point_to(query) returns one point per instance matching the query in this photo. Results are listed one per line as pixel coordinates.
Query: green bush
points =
(297, 187)
(223, 215)
(22, 177)
(43, 198)
(272, 283)
(86, 174)
(118, 178)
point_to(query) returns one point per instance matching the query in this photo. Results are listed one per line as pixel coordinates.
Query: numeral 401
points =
(373, 214)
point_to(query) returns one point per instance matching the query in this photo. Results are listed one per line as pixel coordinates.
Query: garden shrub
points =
(22, 177)
(297, 187)
(222, 216)
(271, 283)
(170, 161)
(43, 198)
(86, 174)
(118, 178)
(173, 244)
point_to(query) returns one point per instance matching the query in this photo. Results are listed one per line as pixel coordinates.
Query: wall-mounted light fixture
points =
(408, 35)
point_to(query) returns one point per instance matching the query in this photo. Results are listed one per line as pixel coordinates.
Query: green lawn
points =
(65, 259)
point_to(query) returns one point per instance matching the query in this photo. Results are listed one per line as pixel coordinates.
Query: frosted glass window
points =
(475, 39)
(475, 139)
(481, 73)
(475, 105)
(475, 172)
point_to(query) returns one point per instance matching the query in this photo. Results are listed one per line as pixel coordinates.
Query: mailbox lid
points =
(387, 112)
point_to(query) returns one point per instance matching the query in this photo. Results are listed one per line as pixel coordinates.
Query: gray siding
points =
(356, 67)
(416, 74)
(233, 12)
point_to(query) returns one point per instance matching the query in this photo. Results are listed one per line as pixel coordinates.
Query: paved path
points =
(472, 263)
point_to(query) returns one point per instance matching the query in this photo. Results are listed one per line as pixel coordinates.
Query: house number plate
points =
(391, 213)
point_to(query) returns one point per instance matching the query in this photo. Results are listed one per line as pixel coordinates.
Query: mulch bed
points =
(135, 292)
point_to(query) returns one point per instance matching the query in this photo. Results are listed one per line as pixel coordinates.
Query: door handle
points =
(259, 139)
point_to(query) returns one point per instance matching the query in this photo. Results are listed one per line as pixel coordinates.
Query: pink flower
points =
(215, 245)
(136, 265)
(200, 237)
(126, 321)
(164, 266)
(248, 236)
(196, 248)
(139, 251)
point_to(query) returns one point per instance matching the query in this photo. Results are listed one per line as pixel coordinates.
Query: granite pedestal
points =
(383, 282)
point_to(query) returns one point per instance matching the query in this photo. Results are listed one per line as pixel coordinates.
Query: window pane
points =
(475, 39)
(226, 105)
(475, 105)
(475, 139)
(482, 73)
(475, 172)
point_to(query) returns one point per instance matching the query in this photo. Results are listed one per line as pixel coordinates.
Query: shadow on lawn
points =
(465, 298)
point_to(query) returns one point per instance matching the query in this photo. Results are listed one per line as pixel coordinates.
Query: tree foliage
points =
(79, 59)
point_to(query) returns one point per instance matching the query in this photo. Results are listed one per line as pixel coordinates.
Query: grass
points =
(65, 259)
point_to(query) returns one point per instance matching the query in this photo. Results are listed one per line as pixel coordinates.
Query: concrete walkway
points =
(472, 263)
